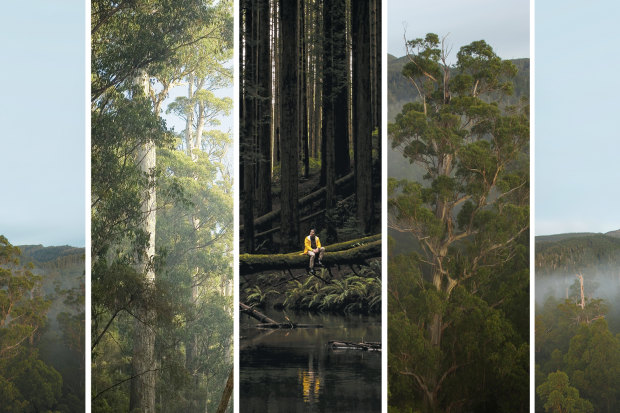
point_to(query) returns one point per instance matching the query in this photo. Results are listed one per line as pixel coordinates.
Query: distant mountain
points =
(578, 252)
(51, 256)
(615, 234)
(561, 237)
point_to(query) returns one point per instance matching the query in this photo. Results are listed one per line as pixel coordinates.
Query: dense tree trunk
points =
(289, 141)
(340, 88)
(328, 159)
(142, 393)
(264, 113)
(362, 128)
(248, 127)
(303, 112)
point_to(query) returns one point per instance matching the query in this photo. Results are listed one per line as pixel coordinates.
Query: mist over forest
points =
(578, 322)
(42, 355)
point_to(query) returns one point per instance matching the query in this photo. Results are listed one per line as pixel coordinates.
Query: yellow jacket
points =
(308, 243)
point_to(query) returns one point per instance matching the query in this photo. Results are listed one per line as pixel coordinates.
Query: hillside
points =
(577, 252)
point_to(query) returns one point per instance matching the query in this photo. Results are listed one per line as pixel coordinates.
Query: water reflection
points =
(296, 371)
(310, 383)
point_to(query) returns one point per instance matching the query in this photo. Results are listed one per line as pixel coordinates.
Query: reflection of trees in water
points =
(310, 382)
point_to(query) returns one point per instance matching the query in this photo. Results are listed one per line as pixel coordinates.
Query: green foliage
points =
(352, 294)
(578, 342)
(255, 296)
(27, 383)
(560, 397)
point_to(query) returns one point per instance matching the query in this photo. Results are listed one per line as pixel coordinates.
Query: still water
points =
(296, 371)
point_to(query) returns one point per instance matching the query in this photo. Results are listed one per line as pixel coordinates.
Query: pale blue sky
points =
(42, 112)
(505, 25)
(577, 139)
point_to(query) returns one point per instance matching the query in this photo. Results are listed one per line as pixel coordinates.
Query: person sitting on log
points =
(312, 246)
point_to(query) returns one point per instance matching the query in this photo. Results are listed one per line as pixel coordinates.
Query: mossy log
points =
(349, 252)
(275, 214)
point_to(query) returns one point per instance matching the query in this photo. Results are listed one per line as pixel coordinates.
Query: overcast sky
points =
(503, 24)
(42, 114)
(577, 139)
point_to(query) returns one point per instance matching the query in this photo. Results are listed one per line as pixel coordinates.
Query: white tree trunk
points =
(189, 142)
(142, 396)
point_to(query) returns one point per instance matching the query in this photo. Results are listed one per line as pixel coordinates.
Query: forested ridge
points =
(459, 230)
(42, 355)
(576, 252)
(161, 207)
(578, 322)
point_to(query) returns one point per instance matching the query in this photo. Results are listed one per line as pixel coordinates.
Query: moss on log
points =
(349, 252)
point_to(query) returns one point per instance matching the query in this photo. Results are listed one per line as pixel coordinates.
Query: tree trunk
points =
(189, 142)
(303, 109)
(264, 100)
(228, 389)
(328, 159)
(289, 141)
(247, 138)
(340, 88)
(362, 127)
(142, 393)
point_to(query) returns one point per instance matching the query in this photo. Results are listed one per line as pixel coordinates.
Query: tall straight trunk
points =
(318, 104)
(200, 126)
(274, 81)
(378, 74)
(189, 142)
(247, 138)
(350, 79)
(362, 128)
(340, 88)
(142, 391)
(264, 113)
(311, 91)
(289, 127)
(303, 112)
(277, 42)
(373, 63)
(327, 136)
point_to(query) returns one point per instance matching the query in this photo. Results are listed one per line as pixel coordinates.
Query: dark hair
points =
(312, 229)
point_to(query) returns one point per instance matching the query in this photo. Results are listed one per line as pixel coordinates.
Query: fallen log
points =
(348, 345)
(255, 314)
(288, 325)
(275, 214)
(267, 322)
(343, 253)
